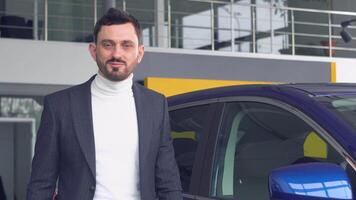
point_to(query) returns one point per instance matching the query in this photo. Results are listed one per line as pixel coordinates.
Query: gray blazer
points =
(65, 149)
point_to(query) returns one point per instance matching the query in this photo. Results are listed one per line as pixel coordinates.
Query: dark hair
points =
(114, 16)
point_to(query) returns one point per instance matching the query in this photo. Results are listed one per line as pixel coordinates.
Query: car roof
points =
(307, 90)
(326, 89)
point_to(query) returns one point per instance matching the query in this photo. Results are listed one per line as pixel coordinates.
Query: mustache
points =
(116, 60)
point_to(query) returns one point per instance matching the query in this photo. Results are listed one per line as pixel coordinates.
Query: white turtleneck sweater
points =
(116, 139)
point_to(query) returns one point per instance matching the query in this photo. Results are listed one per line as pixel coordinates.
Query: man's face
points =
(117, 51)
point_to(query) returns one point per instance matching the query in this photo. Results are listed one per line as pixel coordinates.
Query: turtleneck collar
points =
(104, 86)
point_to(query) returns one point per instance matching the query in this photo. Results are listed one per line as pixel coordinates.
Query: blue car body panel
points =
(300, 96)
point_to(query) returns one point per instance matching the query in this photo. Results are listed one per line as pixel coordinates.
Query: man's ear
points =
(141, 52)
(92, 50)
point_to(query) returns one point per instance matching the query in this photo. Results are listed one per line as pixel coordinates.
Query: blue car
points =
(259, 142)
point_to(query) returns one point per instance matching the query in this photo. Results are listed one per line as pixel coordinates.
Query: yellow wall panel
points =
(333, 72)
(315, 147)
(173, 86)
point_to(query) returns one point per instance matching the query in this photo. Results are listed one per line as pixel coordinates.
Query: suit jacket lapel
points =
(143, 123)
(83, 122)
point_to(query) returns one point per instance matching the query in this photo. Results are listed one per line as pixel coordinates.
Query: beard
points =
(114, 74)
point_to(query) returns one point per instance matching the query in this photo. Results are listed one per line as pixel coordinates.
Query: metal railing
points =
(247, 32)
(294, 23)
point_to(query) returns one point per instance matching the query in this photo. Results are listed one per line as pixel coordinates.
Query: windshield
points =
(343, 106)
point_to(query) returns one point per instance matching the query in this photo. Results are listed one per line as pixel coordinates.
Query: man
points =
(107, 138)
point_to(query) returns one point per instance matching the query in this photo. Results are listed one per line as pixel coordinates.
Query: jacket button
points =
(92, 188)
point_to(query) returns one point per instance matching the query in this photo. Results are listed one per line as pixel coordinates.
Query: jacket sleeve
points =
(44, 172)
(167, 176)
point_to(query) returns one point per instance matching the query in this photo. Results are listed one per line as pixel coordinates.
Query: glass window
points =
(18, 118)
(187, 127)
(145, 13)
(16, 19)
(70, 20)
(343, 106)
(241, 21)
(197, 31)
(191, 24)
(256, 138)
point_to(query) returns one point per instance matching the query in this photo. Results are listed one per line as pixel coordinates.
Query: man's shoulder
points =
(64, 93)
(147, 92)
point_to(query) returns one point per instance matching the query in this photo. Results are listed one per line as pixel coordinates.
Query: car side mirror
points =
(319, 181)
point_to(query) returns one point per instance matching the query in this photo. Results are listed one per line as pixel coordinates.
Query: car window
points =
(343, 106)
(254, 139)
(187, 132)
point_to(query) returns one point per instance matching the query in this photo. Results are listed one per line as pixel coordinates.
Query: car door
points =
(191, 125)
(255, 136)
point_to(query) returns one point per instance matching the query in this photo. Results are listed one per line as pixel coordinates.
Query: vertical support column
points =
(232, 26)
(293, 32)
(159, 23)
(212, 23)
(95, 7)
(35, 20)
(169, 34)
(46, 20)
(124, 5)
(271, 25)
(33, 138)
(330, 36)
(286, 24)
(151, 38)
(253, 24)
(176, 33)
(109, 4)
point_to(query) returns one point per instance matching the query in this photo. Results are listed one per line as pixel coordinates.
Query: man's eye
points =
(107, 44)
(127, 45)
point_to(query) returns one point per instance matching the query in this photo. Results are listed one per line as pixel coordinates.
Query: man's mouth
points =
(116, 65)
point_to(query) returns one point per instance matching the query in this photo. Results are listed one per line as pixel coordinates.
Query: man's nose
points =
(117, 51)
